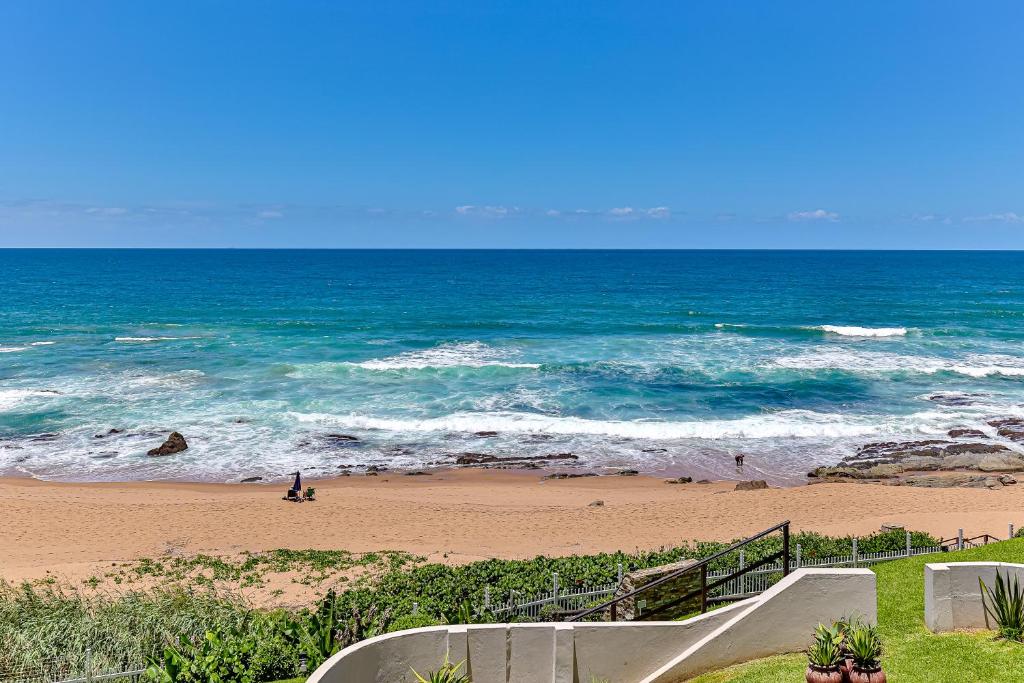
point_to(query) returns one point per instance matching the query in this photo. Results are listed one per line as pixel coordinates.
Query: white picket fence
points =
(752, 583)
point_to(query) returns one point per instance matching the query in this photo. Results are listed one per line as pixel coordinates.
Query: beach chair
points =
(293, 496)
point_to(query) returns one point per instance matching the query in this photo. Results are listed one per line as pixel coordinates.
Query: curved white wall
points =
(780, 620)
(952, 595)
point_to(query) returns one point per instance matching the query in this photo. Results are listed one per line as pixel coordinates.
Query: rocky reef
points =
(935, 462)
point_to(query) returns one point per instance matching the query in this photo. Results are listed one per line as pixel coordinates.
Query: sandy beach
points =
(70, 530)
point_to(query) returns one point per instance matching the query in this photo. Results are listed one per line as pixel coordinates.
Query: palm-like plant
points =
(865, 647)
(448, 673)
(1005, 605)
(824, 652)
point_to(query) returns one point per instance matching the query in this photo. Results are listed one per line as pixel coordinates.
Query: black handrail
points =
(702, 565)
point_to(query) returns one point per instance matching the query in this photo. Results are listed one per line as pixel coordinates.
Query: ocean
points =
(667, 362)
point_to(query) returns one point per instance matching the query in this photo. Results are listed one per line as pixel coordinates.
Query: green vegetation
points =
(865, 646)
(912, 653)
(448, 673)
(308, 567)
(1004, 604)
(175, 613)
(825, 650)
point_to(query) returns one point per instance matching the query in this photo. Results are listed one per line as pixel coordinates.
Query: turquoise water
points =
(662, 361)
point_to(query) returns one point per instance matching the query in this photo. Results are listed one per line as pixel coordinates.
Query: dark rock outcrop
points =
(966, 433)
(485, 459)
(679, 480)
(570, 475)
(485, 434)
(755, 485)
(251, 480)
(1011, 428)
(968, 464)
(175, 444)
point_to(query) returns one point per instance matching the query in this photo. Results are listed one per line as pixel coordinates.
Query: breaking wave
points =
(863, 331)
(784, 424)
(469, 354)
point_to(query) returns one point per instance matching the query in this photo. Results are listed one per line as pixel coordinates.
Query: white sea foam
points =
(42, 343)
(469, 354)
(784, 424)
(12, 349)
(972, 365)
(149, 339)
(11, 398)
(863, 331)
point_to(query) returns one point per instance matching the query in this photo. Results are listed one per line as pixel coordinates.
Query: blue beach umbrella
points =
(297, 486)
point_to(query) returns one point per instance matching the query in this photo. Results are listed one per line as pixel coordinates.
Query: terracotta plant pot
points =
(845, 668)
(859, 675)
(823, 674)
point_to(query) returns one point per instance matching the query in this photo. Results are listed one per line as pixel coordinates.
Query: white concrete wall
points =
(780, 620)
(952, 595)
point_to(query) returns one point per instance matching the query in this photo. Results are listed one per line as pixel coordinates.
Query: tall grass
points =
(52, 626)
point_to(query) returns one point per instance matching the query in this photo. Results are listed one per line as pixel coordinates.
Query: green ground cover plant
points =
(186, 622)
(912, 653)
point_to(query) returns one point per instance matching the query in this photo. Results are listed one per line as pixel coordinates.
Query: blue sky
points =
(513, 124)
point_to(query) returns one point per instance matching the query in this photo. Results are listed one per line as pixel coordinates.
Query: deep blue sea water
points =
(667, 361)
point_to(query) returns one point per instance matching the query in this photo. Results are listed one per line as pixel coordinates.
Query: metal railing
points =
(61, 671)
(748, 584)
(705, 586)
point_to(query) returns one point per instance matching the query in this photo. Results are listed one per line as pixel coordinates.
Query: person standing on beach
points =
(739, 462)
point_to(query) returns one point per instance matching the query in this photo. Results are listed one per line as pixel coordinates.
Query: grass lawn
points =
(912, 653)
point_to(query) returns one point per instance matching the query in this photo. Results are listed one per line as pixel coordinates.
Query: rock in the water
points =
(341, 441)
(109, 432)
(512, 460)
(751, 485)
(251, 480)
(418, 473)
(486, 434)
(1010, 428)
(679, 480)
(627, 473)
(966, 432)
(175, 444)
(953, 398)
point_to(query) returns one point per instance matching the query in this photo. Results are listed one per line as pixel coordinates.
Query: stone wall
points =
(633, 609)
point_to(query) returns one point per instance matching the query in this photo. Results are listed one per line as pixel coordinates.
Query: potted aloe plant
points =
(844, 626)
(866, 649)
(824, 656)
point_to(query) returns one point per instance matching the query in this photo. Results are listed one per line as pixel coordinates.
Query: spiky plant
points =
(865, 647)
(448, 673)
(1004, 603)
(824, 652)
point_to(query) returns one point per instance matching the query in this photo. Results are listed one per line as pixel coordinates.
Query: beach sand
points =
(72, 530)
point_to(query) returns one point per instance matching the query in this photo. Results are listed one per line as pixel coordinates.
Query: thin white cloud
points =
(486, 211)
(621, 211)
(815, 215)
(659, 212)
(1008, 217)
(107, 210)
(554, 213)
(270, 213)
